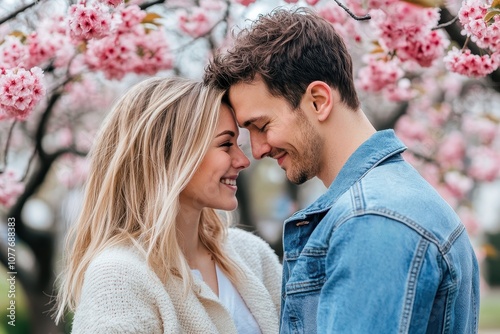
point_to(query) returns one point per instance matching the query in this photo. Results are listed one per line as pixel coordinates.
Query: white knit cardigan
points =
(121, 294)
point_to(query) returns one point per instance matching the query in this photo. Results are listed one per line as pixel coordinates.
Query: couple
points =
(379, 252)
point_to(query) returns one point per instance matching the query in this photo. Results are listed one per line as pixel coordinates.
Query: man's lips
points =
(280, 158)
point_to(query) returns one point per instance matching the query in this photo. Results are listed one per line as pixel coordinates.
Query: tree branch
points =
(354, 16)
(149, 4)
(42, 125)
(7, 144)
(446, 24)
(17, 12)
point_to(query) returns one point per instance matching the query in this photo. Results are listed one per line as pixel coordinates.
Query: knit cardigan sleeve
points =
(119, 296)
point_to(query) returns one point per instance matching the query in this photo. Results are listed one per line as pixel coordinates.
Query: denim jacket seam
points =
(410, 294)
(451, 239)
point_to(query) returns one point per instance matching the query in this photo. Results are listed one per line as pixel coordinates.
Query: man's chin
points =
(297, 179)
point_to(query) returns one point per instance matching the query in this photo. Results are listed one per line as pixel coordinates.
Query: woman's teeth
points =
(231, 182)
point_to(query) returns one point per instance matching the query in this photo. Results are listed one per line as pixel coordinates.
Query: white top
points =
(232, 301)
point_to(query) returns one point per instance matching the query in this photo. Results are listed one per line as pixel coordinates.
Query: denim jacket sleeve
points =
(380, 276)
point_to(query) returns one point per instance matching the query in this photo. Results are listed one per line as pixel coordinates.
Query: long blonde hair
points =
(145, 154)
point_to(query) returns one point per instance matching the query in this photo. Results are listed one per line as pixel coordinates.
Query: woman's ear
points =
(319, 98)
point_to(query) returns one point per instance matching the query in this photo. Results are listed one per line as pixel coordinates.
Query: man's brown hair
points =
(289, 50)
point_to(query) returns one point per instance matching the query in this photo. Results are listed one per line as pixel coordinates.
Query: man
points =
(380, 251)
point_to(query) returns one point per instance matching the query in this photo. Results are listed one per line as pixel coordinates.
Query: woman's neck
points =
(188, 224)
(196, 253)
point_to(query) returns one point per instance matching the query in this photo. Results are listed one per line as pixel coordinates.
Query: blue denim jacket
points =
(379, 252)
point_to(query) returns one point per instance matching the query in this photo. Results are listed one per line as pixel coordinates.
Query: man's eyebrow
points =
(247, 123)
(227, 132)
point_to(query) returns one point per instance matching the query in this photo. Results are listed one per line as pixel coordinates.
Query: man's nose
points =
(260, 147)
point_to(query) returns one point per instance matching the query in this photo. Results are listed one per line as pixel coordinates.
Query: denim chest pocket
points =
(306, 278)
(307, 271)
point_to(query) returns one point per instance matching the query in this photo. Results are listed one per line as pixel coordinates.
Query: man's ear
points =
(319, 98)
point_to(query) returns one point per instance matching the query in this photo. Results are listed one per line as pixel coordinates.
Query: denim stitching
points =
(412, 282)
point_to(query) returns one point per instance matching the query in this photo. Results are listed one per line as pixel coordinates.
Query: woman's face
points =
(214, 183)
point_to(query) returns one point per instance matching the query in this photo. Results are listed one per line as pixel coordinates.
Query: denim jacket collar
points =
(379, 147)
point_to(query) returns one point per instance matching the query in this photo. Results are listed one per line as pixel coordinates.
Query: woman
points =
(149, 254)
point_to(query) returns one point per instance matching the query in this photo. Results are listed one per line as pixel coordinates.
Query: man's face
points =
(277, 131)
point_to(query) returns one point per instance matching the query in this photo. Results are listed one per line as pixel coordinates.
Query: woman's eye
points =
(227, 144)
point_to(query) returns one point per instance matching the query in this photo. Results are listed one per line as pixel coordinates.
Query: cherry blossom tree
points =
(427, 69)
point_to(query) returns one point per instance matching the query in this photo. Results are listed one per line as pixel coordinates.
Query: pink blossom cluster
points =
(485, 34)
(12, 53)
(196, 22)
(414, 133)
(10, 188)
(466, 63)
(458, 184)
(379, 73)
(343, 23)
(245, 3)
(386, 76)
(485, 164)
(88, 21)
(481, 128)
(20, 91)
(452, 153)
(36, 48)
(361, 6)
(406, 31)
(112, 3)
(131, 49)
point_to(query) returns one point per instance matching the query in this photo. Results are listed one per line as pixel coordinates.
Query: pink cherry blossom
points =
(451, 152)
(484, 34)
(13, 53)
(414, 133)
(87, 22)
(195, 22)
(312, 2)
(20, 91)
(385, 76)
(465, 63)
(10, 188)
(485, 165)
(482, 128)
(458, 184)
(401, 91)
(127, 18)
(245, 3)
(213, 5)
(406, 30)
(356, 5)
(291, 1)
(132, 49)
(341, 21)
(112, 3)
(332, 13)
(378, 74)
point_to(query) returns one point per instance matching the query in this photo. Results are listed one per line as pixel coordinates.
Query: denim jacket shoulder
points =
(367, 206)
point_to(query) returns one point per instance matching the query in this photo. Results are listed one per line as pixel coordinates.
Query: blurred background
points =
(449, 121)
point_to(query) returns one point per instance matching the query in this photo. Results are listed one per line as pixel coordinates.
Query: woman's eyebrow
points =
(227, 132)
